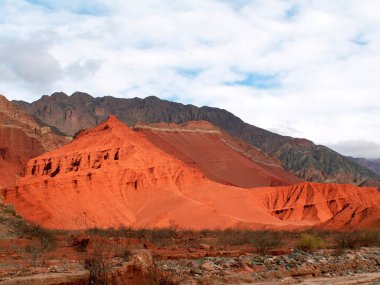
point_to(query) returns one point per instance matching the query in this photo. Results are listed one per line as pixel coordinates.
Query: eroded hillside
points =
(112, 175)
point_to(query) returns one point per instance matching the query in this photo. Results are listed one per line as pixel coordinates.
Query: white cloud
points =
(358, 148)
(28, 63)
(323, 58)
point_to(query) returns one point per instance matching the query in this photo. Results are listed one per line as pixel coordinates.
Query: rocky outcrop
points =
(297, 267)
(16, 148)
(305, 159)
(48, 136)
(336, 206)
(21, 138)
(111, 176)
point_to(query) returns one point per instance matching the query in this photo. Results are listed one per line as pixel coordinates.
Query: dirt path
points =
(364, 278)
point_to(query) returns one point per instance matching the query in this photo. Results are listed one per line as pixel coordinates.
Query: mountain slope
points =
(219, 156)
(307, 160)
(111, 176)
(373, 165)
(21, 138)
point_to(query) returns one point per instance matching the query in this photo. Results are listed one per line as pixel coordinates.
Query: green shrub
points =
(309, 242)
(9, 209)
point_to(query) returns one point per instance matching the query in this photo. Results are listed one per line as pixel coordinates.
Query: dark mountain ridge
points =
(311, 162)
(372, 164)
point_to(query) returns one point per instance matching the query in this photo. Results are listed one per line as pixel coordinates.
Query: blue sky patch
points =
(236, 4)
(259, 81)
(359, 40)
(292, 12)
(78, 7)
(188, 72)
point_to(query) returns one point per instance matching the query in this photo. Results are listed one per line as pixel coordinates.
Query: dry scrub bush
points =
(370, 237)
(347, 240)
(353, 239)
(99, 263)
(157, 277)
(43, 240)
(46, 237)
(309, 242)
(81, 244)
(263, 240)
(35, 252)
(100, 258)
(159, 237)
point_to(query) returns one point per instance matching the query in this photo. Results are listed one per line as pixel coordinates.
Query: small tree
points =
(99, 263)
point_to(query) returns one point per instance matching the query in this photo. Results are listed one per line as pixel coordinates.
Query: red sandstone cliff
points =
(111, 176)
(21, 138)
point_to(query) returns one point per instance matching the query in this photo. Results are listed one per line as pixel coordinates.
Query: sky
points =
(303, 68)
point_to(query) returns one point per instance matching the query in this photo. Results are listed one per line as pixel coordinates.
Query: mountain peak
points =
(112, 122)
(81, 94)
(110, 128)
(112, 133)
(59, 95)
(113, 119)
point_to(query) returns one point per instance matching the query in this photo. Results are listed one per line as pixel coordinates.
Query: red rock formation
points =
(302, 157)
(16, 148)
(219, 156)
(21, 138)
(112, 176)
(335, 205)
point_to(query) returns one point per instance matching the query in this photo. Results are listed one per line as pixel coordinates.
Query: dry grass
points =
(154, 276)
(159, 237)
(263, 240)
(47, 238)
(310, 242)
(355, 239)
